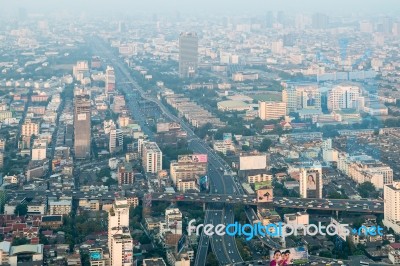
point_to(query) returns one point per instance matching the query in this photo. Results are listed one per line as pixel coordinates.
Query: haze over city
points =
(199, 133)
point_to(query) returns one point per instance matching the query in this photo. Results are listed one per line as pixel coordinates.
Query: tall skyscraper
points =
(110, 79)
(116, 140)
(120, 243)
(188, 54)
(391, 212)
(151, 157)
(320, 21)
(269, 19)
(82, 126)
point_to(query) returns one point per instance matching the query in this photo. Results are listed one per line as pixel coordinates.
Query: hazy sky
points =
(208, 6)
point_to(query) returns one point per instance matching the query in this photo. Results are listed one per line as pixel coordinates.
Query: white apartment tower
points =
(343, 97)
(173, 221)
(151, 157)
(391, 195)
(120, 243)
(116, 141)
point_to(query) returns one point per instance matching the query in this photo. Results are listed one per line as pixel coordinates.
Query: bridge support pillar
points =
(204, 206)
(336, 214)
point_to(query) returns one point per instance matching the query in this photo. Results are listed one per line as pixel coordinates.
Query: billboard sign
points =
(312, 180)
(253, 162)
(193, 158)
(288, 256)
(227, 138)
(263, 184)
(81, 117)
(181, 243)
(203, 183)
(341, 233)
(199, 158)
(265, 195)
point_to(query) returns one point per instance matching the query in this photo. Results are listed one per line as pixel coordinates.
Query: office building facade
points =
(188, 54)
(82, 126)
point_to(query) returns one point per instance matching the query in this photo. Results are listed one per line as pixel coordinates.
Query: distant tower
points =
(82, 126)
(188, 54)
(110, 80)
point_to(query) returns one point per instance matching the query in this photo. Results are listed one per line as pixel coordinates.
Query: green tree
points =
(245, 148)
(367, 190)
(20, 241)
(21, 209)
(203, 131)
(211, 260)
(336, 195)
(265, 145)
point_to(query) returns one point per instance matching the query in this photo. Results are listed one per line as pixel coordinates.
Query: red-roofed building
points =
(395, 246)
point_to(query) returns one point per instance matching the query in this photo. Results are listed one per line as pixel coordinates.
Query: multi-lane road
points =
(358, 206)
(228, 244)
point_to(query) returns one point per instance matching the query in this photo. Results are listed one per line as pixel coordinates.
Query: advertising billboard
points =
(263, 184)
(340, 232)
(227, 138)
(203, 183)
(265, 195)
(193, 158)
(81, 117)
(199, 158)
(253, 162)
(162, 127)
(312, 180)
(128, 253)
(288, 256)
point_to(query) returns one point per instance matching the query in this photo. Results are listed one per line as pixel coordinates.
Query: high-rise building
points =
(118, 104)
(126, 174)
(343, 97)
(116, 142)
(391, 211)
(39, 151)
(96, 62)
(281, 17)
(188, 54)
(82, 126)
(320, 21)
(110, 79)
(120, 243)
(151, 157)
(271, 110)
(300, 97)
(29, 128)
(277, 47)
(80, 69)
(1, 160)
(269, 19)
(154, 262)
(187, 171)
(311, 182)
(97, 257)
(173, 221)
